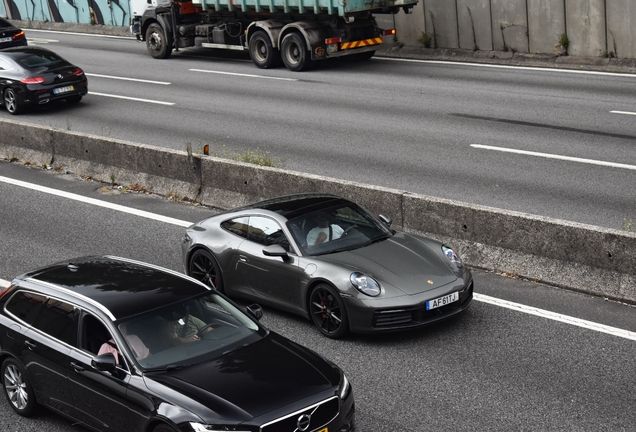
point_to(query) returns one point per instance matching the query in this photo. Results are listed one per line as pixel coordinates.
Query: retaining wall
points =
(581, 257)
(595, 28)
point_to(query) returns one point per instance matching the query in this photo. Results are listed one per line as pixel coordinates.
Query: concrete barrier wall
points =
(475, 25)
(575, 256)
(546, 22)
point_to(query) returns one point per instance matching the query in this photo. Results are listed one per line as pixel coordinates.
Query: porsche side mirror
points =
(255, 310)
(386, 219)
(275, 250)
(104, 362)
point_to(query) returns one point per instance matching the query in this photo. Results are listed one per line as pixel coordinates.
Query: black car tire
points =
(295, 54)
(158, 44)
(10, 100)
(328, 311)
(262, 52)
(17, 388)
(74, 99)
(204, 267)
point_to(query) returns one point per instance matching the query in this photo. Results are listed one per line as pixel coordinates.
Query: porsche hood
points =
(403, 261)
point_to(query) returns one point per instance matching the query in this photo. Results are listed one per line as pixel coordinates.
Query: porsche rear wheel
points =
(328, 311)
(203, 267)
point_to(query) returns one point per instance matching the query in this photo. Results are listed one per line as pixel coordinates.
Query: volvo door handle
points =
(77, 367)
(30, 345)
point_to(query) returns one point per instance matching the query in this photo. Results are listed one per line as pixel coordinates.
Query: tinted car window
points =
(267, 232)
(57, 319)
(25, 305)
(40, 59)
(237, 226)
(5, 23)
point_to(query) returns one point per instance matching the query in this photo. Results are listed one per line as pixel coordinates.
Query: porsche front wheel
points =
(203, 267)
(328, 311)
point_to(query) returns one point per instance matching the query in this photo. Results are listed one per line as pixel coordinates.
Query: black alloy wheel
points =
(328, 311)
(17, 388)
(11, 101)
(203, 267)
(295, 54)
(262, 52)
(158, 44)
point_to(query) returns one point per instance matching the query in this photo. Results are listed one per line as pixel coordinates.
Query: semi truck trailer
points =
(297, 33)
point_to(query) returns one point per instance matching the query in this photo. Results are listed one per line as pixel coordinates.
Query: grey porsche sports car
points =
(328, 259)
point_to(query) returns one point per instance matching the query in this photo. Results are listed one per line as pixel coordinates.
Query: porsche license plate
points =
(63, 89)
(442, 301)
(5, 39)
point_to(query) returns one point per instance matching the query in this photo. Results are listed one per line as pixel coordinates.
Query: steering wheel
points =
(348, 230)
(205, 329)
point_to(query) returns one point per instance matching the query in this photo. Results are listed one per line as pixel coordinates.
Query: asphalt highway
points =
(524, 357)
(557, 143)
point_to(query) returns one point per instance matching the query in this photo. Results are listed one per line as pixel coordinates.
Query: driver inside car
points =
(324, 231)
(179, 327)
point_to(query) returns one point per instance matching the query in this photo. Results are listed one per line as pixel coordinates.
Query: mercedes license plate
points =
(63, 89)
(5, 39)
(442, 301)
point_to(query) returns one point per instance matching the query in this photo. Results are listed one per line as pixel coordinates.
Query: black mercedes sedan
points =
(10, 35)
(120, 345)
(32, 76)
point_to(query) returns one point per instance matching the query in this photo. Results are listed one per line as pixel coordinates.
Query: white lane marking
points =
(495, 66)
(623, 112)
(131, 98)
(131, 37)
(478, 297)
(4, 283)
(35, 41)
(614, 331)
(244, 75)
(96, 202)
(553, 156)
(127, 79)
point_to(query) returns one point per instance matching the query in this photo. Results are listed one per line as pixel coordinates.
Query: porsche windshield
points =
(336, 229)
(188, 332)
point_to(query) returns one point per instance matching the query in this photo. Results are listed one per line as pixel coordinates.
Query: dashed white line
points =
(554, 156)
(131, 98)
(614, 331)
(96, 202)
(127, 79)
(623, 112)
(244, 75)
(478, 297)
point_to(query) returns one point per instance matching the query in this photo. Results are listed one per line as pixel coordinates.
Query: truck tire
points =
(158, 44)
(295, 54)
(262, 52)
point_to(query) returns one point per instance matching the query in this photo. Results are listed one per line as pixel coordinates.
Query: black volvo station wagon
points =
(119, 345)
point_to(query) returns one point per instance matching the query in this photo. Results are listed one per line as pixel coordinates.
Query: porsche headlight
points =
(365, 284)
(452, 256)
